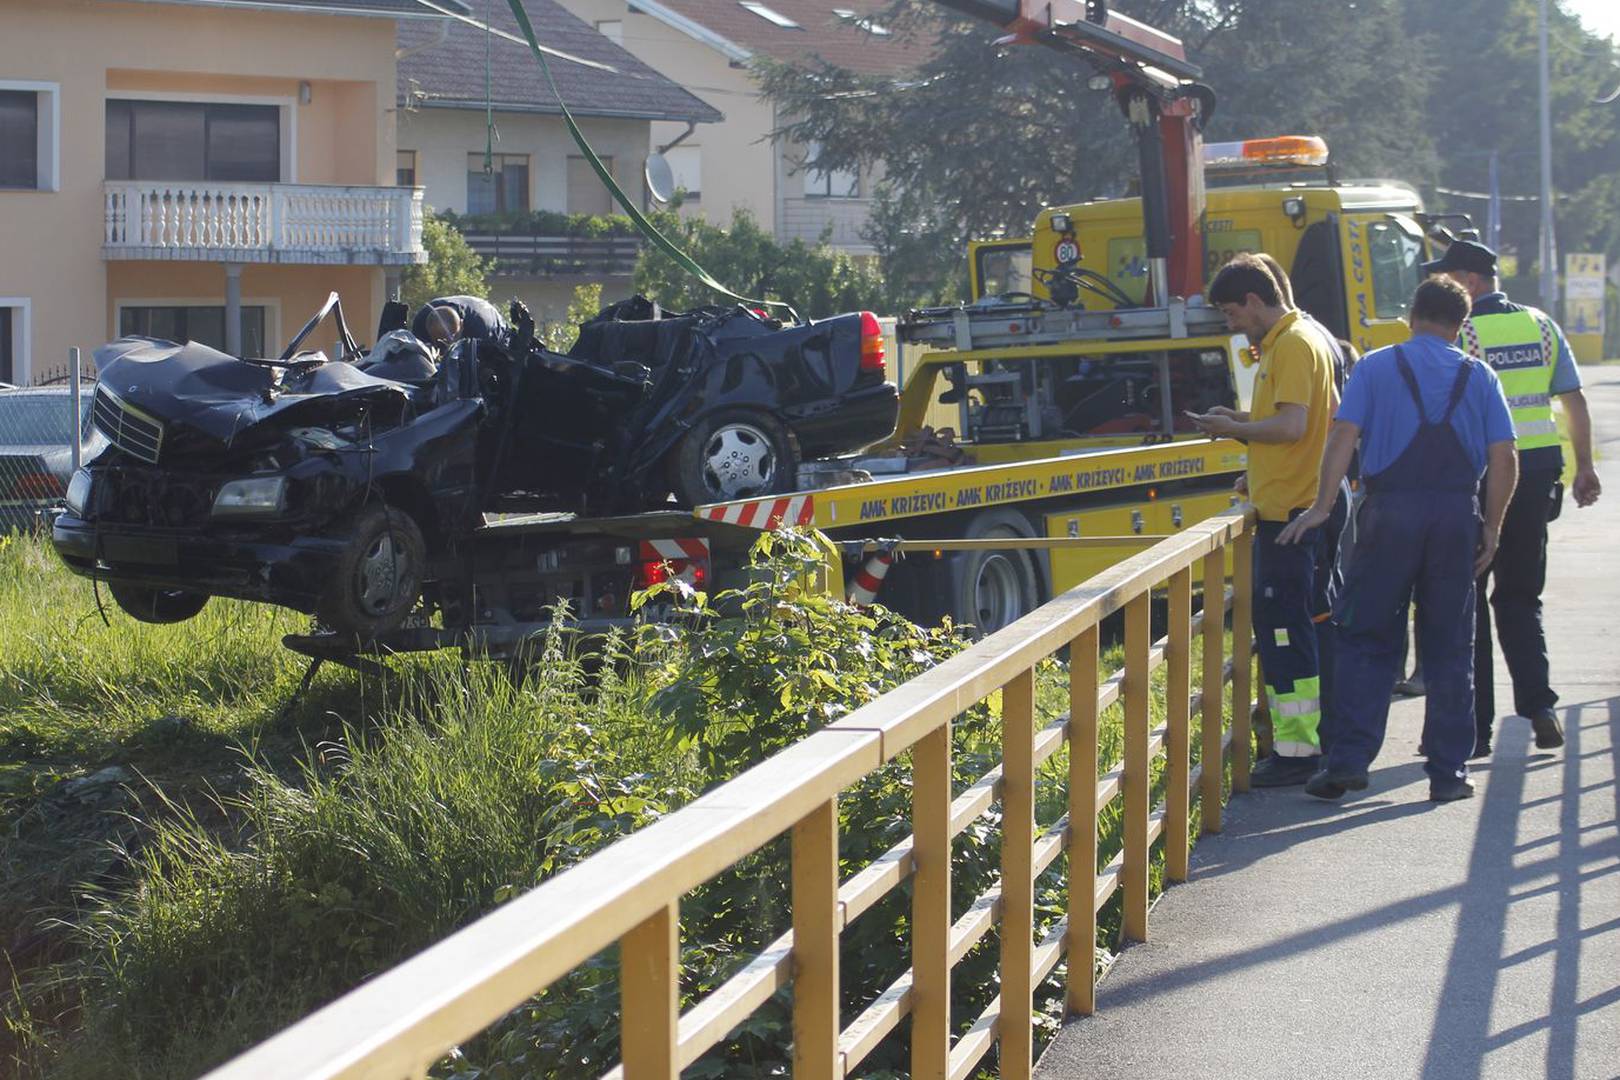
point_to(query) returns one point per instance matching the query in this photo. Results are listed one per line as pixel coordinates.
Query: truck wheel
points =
(733, 454)
(378, 578)
(995, 588)
(148, 605)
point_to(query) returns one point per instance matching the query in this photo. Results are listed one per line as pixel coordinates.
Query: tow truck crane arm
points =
(1156, 88)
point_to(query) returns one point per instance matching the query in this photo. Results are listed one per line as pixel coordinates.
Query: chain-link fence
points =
(37, 451)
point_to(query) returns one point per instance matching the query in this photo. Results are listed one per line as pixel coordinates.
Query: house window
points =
(8, 353)
(586, 192)
(183, 140)
(405, 168)
(503, 189)
(204, 324)
(837, 184)
(19, 139)
(612, 29)
(686, 162)
(28, 136)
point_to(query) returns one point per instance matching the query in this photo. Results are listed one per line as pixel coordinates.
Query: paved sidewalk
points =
(1387, 937)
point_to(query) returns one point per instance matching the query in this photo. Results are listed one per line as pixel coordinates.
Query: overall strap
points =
(1457, 389)
(1411, 383)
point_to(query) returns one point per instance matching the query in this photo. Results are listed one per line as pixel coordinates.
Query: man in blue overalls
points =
(1429, 419)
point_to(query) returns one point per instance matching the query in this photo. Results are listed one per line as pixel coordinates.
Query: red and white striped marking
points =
(763, 513)
(869, 579)
(677, 550)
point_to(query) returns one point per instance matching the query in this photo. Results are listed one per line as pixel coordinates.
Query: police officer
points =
(1528, 352)
(1428, 418)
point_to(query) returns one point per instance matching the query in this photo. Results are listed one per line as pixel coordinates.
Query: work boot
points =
(1482, 746)
(1413, 686)
(1331, 784)
(1549, 732)
(1450, 789)
(1278, 771)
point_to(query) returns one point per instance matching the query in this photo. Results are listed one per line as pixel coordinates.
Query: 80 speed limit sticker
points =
(1067, 251)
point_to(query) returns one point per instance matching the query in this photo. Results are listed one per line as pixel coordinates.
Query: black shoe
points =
(1332, 785)
(1549, 733)
(1276, 771)
(1482, 747)
(1450, 789)
(1412, 687)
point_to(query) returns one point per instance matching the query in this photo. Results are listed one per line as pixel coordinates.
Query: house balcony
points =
(342, 225)
(531, 256)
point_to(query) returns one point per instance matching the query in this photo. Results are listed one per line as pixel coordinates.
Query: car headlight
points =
(256, 496)
(78, 492)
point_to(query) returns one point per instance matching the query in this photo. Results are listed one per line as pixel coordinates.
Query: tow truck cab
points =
(1352, 249)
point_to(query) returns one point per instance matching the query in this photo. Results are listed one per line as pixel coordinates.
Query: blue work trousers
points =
(1409, 544)
(1285, 631)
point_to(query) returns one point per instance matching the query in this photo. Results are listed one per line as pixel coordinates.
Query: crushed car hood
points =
(207, 399)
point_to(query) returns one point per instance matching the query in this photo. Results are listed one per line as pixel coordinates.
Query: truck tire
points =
(378, 578)
(149, 605)
(995, 588)
(733, 454)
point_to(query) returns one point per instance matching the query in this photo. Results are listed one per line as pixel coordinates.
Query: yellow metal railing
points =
(398, 1024)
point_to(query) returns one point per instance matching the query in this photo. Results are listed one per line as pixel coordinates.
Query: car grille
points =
(126, 427)
(141, 496)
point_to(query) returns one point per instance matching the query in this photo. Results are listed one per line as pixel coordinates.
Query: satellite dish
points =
(660, 178)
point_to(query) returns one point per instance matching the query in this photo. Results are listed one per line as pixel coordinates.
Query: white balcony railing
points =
(274, 223)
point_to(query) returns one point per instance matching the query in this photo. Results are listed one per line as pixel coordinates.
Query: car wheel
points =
(378, 578)
(733, 454)
(995, 588)
(149, 605)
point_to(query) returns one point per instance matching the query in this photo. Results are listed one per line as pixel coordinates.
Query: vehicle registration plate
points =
(139, 549)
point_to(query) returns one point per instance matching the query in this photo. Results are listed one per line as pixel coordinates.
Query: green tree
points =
(452, 268)
(587, 301)
(1485, 97)
(817, 280)
(981, 136)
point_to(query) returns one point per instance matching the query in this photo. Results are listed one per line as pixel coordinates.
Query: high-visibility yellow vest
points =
(1521, 347)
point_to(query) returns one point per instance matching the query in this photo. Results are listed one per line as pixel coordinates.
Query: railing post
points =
(649, 989)
(931, 905)
(1017, 875)
(1135, 782)
(1081, 946)
(815, 942)
(1213, 776)
(1178, 693)
(1242, 654)
(75, 407)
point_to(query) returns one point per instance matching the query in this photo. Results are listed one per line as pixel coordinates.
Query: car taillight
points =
(872, 352)
(38, 486)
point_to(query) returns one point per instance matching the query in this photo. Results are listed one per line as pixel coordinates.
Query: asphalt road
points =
(1388, 937)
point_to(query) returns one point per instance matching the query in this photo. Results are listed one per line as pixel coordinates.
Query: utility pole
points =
(1549, 244)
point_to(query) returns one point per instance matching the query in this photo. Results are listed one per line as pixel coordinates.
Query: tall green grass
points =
(311, 851)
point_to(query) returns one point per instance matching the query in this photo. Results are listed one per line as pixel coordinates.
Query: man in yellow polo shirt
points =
(1286, 428)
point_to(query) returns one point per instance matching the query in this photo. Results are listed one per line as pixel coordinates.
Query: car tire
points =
(146, 604)
(378, 578)
(733, 454)
(993, 588)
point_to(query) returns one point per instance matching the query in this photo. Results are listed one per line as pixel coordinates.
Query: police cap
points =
(1464, 255)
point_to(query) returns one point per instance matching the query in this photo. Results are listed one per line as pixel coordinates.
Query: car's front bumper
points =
(291, 570)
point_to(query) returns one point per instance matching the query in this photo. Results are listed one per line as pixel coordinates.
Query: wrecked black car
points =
(341, 487)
